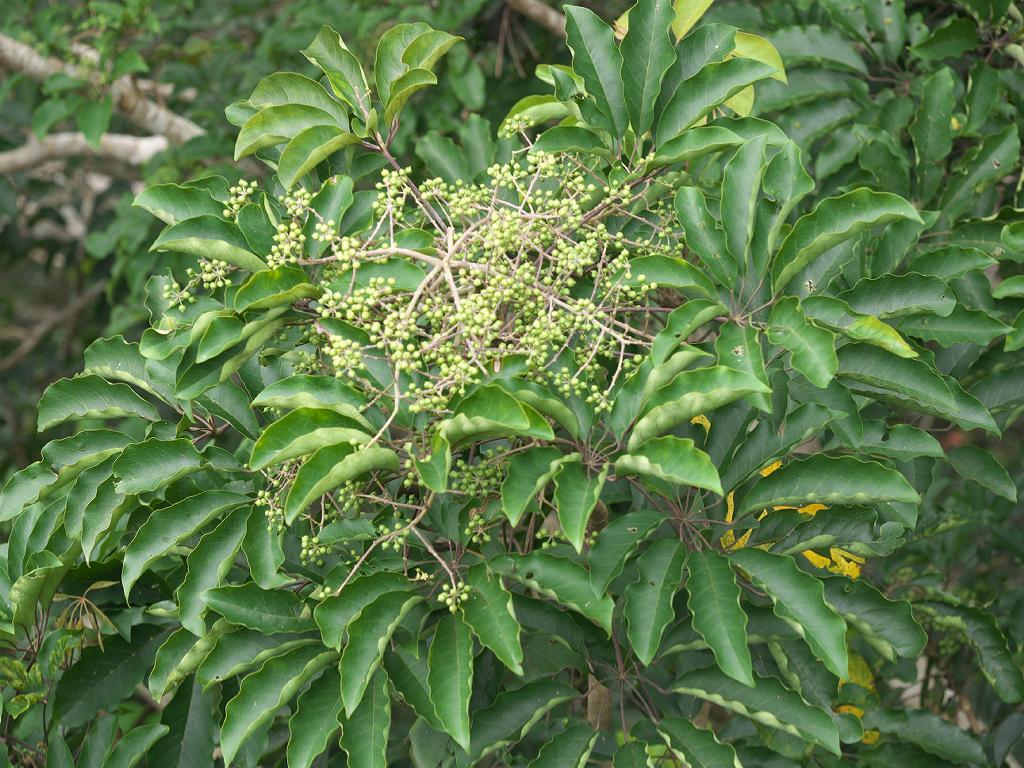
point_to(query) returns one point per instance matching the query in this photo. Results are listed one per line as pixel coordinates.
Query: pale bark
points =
(133, 150)
(128, 99)
(540, 13)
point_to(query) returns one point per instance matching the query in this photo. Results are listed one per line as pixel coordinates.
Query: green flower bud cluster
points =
(311, 551)
(297, 203)
(177, 296)
(513, 126)
(213, 273)
(289, 244)
(324, 232)
(345, 251)
(272, 510)
(480, 479)
(239, 196)
(393, 537)
(396, 192)
(477, 528)
(549, 538)
(454, 595)
(345, 355)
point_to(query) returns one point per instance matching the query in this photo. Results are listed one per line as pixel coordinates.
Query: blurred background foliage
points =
(923, 98)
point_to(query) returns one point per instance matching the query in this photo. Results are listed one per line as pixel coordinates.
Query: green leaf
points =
(673, 459)
(576, 495)
(824, 47)
(799, 597)
(648, 609)
(368, 634)
(569, 749)
(647, 54)
(833, 221)
(308, 149)
(451, 676)
(90, 397)
(103, 677)
(405, 47)
(837, 315)
(332, 466)
(365, 734)
(898, 295)
(283, 88)
(513, 713)
(207, 565)
(1011, 287)
(990, 646)
(101, 515)
(632, 754)
(168, 526)
(490, 412)
(980, 466)
(528, 473)
(766, 443)
(93, 119)
(928, 732)
(912, 383)
(443, 158)
(168, 657)
(262, 693)
(408, 675)
(280, 124)
(569, 138)
(307, 391)
(952, 261)
(344, 72)
(97, 742)
(713, 599)
(262, 610)
(695, 143)
(950, 39)
(72, 456)
(888, 625)
(767, 702)
(209, 237)
(489, 613)
(304, 431)
(961, 326)
(691, 393)
(668, 271)
(980, 168)
(274, 287)
(713, 85)
(404, 87)
(821, 479)
(334, 614)
(190, 741)
(812, 349)
(741, 190)
(931, 130)
(134, 745)
(172, 203)
(562, 580)
(901, 442)
(154, 463)
(616, 542)
(23, 488)
(697, 746)
(704, 235)
(316, 720)
(598, 61)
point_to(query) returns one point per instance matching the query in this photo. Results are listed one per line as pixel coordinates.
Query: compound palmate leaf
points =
(452, 443)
